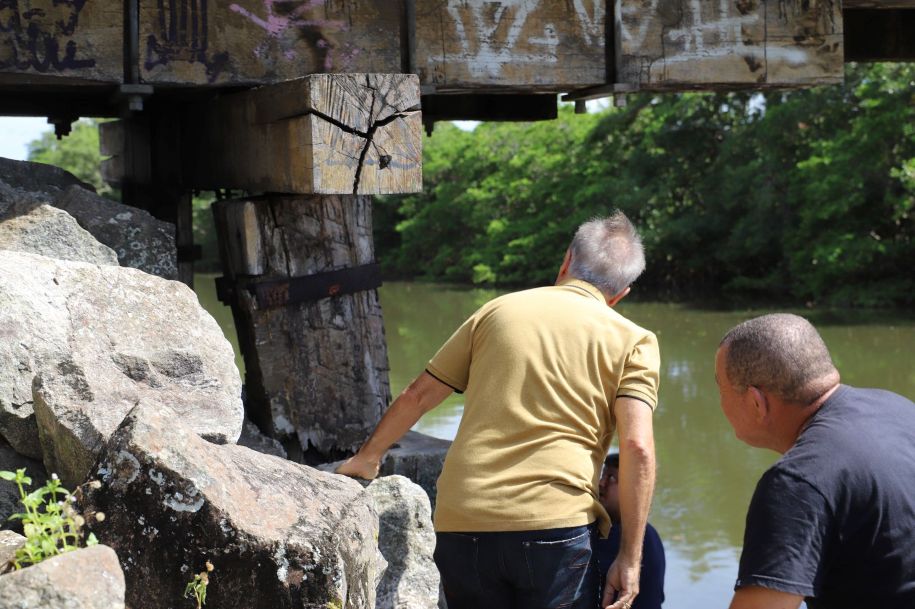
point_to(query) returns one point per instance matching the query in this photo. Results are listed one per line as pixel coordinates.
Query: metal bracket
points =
(269, 293)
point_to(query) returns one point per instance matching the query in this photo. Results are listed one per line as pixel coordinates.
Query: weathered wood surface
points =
(677, 43)
(322, 134)
(878, 4)
(317, 372)
(517, 44)
(262, 41)
(62, 38)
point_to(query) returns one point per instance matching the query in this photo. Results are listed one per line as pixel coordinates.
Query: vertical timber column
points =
(299, 261)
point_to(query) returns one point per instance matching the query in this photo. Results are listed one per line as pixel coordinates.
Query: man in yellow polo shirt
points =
(549, 374)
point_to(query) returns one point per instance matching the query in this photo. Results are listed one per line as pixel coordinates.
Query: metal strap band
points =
(281, 292)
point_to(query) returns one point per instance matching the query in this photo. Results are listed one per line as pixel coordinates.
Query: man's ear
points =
(760, 402)
(618, 297)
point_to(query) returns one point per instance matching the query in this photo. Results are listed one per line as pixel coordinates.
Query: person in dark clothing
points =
(651, 580)
(833, 520)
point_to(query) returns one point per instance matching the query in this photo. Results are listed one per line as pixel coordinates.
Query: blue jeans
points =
(548, 569)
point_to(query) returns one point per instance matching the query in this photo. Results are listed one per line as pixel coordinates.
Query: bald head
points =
(782, 354)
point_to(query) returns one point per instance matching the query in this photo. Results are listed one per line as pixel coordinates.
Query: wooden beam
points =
(322, 134)
(50, 38)
(739, 43)
(253, 42)
(880, 35)
(878, 4)
(522, 45)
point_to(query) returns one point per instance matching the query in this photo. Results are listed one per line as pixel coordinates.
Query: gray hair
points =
(781, 353)
(607, 253)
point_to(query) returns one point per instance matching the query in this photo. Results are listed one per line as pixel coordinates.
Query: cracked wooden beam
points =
(321, 134)
(680, 44)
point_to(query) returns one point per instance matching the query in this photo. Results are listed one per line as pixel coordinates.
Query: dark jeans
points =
(548, 569)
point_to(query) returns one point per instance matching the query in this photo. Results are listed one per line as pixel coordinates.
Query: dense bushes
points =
(803, 196)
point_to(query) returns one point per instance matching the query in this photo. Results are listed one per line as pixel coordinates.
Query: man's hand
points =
(359, 467)
(622, 585)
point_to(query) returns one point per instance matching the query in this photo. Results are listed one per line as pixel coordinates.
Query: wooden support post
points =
(299, 267)
(317, 369)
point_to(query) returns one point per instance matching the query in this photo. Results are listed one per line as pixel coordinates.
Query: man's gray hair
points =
(607, 253)
(781, 353)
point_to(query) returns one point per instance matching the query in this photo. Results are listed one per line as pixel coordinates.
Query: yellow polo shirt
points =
(541, 370)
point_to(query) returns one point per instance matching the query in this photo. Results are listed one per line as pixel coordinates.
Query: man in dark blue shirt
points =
(651, 581)
(833, 521)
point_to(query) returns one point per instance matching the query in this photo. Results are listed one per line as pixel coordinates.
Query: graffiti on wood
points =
(729, 41)
(525, 41)
(40, 37)
(268, 40)
(181, 33)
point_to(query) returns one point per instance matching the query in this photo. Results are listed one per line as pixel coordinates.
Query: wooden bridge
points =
(308, 106)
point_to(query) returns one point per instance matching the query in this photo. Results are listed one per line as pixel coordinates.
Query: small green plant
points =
(50, 523)
(197, 587)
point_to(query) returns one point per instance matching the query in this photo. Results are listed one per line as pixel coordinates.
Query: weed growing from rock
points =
(50, 523)
(197, 587)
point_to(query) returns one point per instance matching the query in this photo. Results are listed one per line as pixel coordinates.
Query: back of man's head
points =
(781, 353)
(607, 253)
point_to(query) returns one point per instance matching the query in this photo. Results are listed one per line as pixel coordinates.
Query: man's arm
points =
(636, 485)
(755, 597)
(422, 395)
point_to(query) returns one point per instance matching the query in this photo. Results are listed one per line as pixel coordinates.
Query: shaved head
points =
(781, 353)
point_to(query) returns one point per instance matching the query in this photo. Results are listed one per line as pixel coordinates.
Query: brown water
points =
(705, 475)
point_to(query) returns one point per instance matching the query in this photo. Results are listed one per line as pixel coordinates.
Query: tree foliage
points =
(802, 196)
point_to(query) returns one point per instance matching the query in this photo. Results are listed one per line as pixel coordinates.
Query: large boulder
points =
(418, 457)
(138, 239)
(10, 500)
(278, 534)
(38, 177)
(100, 339)
(253, 438)
(28, 224)
(407, 541)
(90, 578)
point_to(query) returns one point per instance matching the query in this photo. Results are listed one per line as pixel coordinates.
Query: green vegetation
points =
(197, 587)
(803, 196)
(793, 197)
(50, 523)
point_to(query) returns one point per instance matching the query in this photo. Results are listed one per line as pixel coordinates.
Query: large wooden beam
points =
(676, 44)
(322, 134)
(51, 40)
(527, 45)
(262, 41)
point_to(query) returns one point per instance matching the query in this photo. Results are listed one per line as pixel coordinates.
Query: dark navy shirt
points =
(834, 519)
(651, 581)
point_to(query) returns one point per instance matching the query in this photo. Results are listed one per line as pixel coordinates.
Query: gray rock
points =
(418, 457)
(90, 578)
(407, 541)
(29, 224)
(279, 534)
(100, 339)
(9, 543)
(139, 240)
(38, 177)
(251, 437)
(10, 501)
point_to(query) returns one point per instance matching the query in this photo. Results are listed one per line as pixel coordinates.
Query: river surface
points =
(705, 475)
